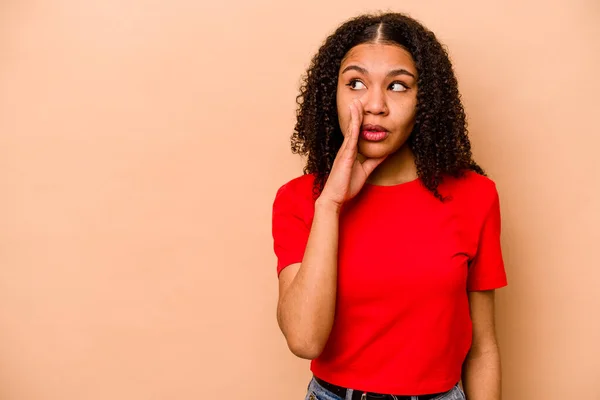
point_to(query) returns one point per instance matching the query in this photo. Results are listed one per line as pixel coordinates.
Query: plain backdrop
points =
(141, 145)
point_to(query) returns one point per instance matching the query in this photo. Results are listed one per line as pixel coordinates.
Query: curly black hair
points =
(439, 139)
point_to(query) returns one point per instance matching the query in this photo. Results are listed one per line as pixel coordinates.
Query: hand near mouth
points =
(350, 170)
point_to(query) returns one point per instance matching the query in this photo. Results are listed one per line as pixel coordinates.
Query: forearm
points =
(482, 374)
(307, 309)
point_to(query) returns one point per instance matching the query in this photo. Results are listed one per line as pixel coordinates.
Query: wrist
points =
(325, 204)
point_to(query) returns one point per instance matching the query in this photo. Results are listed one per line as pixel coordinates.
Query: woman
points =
(388, 246)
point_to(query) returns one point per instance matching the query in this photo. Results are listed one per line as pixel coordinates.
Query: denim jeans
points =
(318, 392)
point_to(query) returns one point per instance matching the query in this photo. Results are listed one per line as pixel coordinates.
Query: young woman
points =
(388, 245)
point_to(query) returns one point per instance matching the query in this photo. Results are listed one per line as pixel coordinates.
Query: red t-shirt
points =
(405, 264)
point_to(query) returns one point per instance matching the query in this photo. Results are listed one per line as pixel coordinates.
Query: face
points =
(384, 78)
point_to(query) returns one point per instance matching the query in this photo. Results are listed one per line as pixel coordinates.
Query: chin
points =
(374, 149)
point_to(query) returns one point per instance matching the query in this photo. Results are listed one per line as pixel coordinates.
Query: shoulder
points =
(296, 193)
(472, 189)
(472, 181)
(298, 185)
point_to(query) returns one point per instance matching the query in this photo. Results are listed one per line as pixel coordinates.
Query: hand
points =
(350, 170)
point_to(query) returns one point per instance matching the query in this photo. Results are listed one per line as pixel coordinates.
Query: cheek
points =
(404, 114)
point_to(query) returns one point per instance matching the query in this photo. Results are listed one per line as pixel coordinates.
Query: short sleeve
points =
(289, 227)
(486, 269)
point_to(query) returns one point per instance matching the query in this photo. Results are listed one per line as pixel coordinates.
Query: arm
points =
(481, 374)
(307, 291)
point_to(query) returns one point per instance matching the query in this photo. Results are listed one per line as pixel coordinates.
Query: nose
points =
(374, 102)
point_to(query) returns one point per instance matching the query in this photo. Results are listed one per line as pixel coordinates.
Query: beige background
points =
(141, 144)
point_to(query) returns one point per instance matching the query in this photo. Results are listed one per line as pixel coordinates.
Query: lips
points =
(373, 133)
(373, 128)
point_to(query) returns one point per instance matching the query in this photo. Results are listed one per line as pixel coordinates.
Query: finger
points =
(353, 113)
(360, 113)
(370, 164)
(352, 147)
(357, 118)
(348, 137)
(355, 125)
(346, 133)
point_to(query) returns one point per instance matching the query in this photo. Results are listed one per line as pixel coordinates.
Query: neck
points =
(397, 168)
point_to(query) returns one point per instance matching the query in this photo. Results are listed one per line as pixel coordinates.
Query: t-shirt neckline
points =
(397, 186)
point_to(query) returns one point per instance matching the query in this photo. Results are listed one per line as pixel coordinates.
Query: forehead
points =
(379, 55)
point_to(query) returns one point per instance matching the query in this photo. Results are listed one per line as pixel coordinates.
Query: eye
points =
(355, 82)
(398, 87)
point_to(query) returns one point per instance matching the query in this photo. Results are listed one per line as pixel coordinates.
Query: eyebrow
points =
(394, 72)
